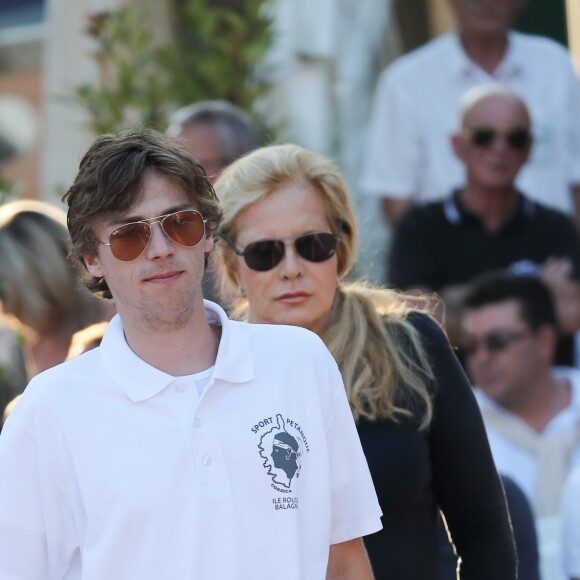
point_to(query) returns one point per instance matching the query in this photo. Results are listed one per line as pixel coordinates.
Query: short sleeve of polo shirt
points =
(355, 507)
(37, 530)
(571, 525)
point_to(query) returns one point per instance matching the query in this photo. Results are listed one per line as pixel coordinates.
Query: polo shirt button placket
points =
(197, 422)
(206, 460)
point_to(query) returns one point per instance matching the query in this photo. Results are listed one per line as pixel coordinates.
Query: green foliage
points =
(216, 51)
(131, 88)
(8, 190)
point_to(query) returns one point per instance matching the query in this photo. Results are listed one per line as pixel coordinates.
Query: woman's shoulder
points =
(428, 328)
(426, 325)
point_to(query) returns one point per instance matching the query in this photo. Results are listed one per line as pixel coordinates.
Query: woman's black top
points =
(448, 467)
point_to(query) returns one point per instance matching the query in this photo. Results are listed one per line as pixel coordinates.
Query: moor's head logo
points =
(281, 452)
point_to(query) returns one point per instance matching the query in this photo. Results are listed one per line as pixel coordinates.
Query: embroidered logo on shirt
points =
(282, 446)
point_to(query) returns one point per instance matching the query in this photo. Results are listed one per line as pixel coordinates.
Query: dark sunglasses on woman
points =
(263, 255)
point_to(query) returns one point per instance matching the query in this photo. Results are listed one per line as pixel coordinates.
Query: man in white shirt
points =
(531, 409)
(144, 458)
(570, 512)
(408, 158)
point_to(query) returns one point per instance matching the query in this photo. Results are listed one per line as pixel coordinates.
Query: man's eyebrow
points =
(125, 219)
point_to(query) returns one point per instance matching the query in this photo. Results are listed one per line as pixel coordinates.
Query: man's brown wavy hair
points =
(110, 181)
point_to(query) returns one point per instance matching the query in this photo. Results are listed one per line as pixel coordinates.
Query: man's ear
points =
(208, 243)
(547, 337)
(93, 265)
(528, 149)
(458, 145)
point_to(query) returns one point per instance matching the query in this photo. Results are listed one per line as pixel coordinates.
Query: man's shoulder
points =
(434, 53)
(533, 44)
(69, 370)
(432, 213)
(545, 215)
(53, 387)
(572, 375)
(277, 337)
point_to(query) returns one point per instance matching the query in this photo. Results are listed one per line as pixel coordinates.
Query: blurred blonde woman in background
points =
(38, 284)
(289, 241)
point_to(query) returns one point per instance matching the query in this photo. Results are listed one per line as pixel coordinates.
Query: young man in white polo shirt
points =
(186, 445)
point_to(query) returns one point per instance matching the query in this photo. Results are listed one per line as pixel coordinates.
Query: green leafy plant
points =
(8, 189)
(218, 49)
(216, 53)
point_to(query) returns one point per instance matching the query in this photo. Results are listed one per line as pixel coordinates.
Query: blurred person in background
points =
(407, 160)
(289, 240)
(217, 132)
(488, 223)
(570, 512)
(531, 408)
(39, 289)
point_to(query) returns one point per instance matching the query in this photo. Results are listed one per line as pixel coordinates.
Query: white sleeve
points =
(573, 124)
(355, 507)
(37, 538)
(393, 153)
(571, 525)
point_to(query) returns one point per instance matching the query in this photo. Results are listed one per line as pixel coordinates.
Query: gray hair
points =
(237, 132)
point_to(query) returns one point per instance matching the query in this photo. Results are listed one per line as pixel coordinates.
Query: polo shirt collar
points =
(456, 213)
(512, 64)
(141, 381)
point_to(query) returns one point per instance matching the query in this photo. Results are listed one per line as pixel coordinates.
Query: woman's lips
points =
(293, 297)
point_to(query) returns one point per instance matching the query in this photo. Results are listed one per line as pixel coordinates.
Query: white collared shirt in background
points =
(415, 112)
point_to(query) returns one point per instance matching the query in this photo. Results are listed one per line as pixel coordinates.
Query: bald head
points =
(494, 140)
(493, 104)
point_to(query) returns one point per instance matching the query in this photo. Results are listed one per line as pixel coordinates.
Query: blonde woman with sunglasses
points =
(288, 242)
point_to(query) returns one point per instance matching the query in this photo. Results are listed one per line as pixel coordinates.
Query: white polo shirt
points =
(415, 112)
(111, 468)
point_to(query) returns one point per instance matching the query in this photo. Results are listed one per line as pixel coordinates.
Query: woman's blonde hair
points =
(384, 366)
(38, 283)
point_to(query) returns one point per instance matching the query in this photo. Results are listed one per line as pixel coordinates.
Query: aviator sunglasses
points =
(494, 342)
(128, 241)
(264, 255)
(517, 138)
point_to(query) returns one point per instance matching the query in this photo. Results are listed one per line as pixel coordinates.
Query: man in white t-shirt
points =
(408, 156)
(144, 458)
(570, 512)
(531, 410)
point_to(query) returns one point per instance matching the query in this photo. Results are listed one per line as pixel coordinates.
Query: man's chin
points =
(491, 389)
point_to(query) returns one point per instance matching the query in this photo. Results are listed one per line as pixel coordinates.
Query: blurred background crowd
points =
(410, 98)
